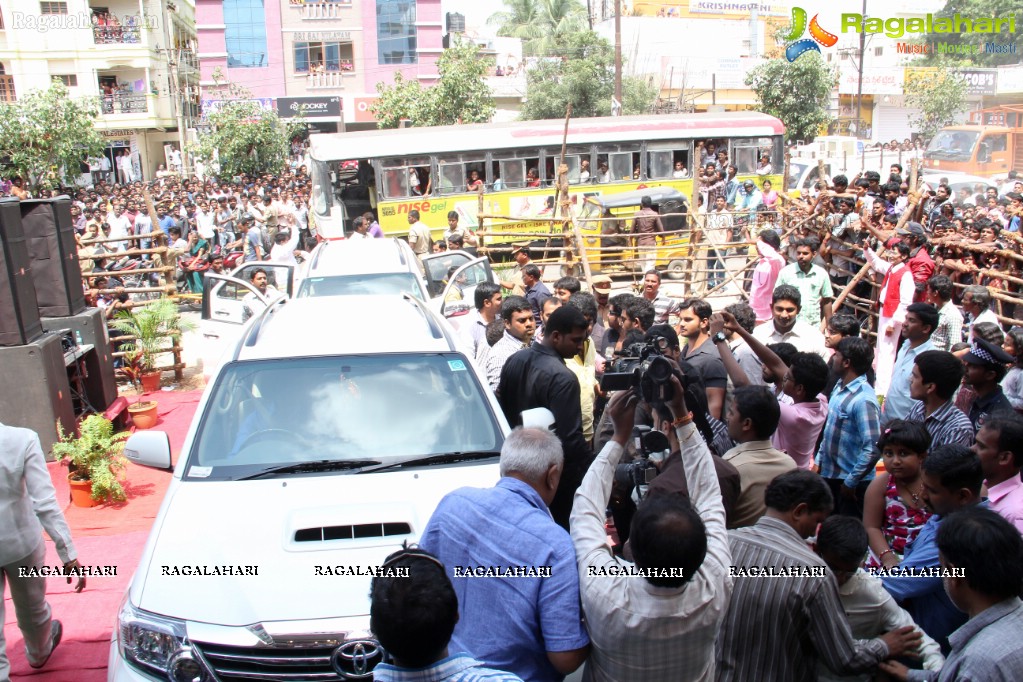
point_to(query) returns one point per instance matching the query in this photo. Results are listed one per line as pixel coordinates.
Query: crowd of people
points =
(730, 455)
(756, 537)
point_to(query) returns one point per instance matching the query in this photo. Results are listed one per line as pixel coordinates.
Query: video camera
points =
(642, 366)
(632, 478)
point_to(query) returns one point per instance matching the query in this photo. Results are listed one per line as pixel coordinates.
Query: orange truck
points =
(990, 144)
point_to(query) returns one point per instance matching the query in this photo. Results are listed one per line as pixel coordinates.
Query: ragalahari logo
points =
(817, 35)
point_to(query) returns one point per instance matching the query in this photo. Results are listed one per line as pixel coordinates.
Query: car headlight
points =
(158, 644)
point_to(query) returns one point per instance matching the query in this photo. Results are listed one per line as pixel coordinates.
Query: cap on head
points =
(986, 353)
(914, 229)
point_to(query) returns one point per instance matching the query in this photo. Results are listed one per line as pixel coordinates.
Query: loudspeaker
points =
(19, 316)
(91, 327)
(38, 395)
(53, 256)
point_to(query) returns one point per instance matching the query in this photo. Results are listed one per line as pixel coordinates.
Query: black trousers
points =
(844, 505)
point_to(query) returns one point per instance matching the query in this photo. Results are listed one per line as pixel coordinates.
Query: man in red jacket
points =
(920, 262)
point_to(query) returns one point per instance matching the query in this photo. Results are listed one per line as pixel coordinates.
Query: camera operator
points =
(669, 477)
(662, 623)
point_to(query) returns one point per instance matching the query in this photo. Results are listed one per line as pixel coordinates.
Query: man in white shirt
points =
(28, 504)
(120, 226)
(786, 326)
(976, 302)
(360, 230)
(657, 618)
(205, 222)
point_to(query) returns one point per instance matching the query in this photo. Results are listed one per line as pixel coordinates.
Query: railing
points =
(324, 10)
(125, 104)
(103, 35)
(328, 79)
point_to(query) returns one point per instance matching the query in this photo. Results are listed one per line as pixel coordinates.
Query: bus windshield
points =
(321, 198)
(952, 145)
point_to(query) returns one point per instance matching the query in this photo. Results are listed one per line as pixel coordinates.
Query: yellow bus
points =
(434, 170)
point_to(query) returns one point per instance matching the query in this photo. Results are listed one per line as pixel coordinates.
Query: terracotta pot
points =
(143, 414)
(150, 382)
(81, 492)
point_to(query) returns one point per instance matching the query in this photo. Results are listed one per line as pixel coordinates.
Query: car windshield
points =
(795, 172)
(360, 285)
(952, 144)
(385, 408)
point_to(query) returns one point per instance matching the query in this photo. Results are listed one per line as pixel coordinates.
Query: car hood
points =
(249, 528)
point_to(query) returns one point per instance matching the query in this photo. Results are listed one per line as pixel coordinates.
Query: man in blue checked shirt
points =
(847, 454)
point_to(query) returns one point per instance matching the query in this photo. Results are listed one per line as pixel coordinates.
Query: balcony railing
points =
(328, 79)
(324, 10)
(109, 35)
(125, 104)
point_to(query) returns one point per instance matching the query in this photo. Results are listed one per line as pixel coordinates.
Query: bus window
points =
(710, 151)
(474, 163)
(746, 153)
(621, 159)
(574, 166)
(451, 174)
(663, 159)
(620, 165)
(511, 174)
(396, 182)
(404, 177)
(659, 164)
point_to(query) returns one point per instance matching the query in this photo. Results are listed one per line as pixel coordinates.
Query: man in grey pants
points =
(28, 504)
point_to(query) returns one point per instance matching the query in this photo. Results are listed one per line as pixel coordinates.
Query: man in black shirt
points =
(985, 367)
(537, 377)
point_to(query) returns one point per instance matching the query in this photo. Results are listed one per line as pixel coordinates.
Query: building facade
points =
(136, 56)
(323, 58)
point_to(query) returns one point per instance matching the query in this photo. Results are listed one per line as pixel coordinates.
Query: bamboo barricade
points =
(167, 290)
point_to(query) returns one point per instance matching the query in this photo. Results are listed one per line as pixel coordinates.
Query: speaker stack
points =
(40, 268)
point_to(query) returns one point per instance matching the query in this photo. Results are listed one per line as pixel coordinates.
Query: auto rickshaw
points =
(614, 231)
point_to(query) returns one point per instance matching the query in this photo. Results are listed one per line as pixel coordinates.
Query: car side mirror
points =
(149, 448)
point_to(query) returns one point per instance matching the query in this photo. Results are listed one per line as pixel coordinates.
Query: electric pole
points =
(859, 83)
(618, 56)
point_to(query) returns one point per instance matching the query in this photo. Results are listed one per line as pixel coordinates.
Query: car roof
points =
(362, 256)
(345, 325)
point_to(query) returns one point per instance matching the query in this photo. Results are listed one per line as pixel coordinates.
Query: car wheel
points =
(676, 269)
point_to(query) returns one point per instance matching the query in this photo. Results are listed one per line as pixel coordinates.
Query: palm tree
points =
(541, 24)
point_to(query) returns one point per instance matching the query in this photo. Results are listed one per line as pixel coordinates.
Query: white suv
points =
(324, 441)
(389, 266)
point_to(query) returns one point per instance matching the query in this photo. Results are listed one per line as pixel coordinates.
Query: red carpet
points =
(107, 535)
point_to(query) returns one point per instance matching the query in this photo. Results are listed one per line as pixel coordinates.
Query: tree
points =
(244, 137)
(402, 100)
(461, 94)
(543, 25)
(803, 108)
(584, 77)
(639, 95)
(939, 95)
(45, 135)
(975, 9)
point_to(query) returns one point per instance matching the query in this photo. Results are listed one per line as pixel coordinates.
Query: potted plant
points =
(143, 413)
(151, 325)
(94, 459)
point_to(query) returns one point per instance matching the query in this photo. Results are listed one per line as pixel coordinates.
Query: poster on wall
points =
(136, 158)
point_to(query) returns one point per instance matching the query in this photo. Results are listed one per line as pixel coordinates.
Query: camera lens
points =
(659, 371)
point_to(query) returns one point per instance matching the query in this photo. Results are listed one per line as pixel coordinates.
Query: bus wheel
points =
(676, 269)
(573, 270)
